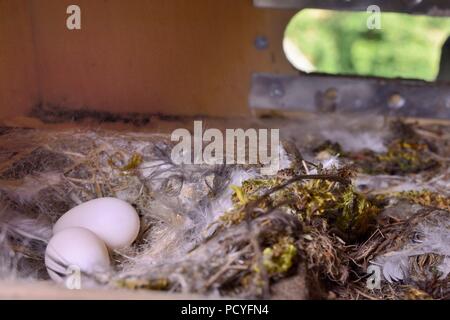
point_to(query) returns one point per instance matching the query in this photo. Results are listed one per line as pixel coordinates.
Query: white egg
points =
(113, 220)
(75, 249)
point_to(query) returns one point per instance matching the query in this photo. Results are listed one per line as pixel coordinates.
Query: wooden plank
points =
(18, 78)
(327, 93)
(45, 290)
(173, 57)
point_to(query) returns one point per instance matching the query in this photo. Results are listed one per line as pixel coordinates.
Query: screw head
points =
(276, 90)
(261, 42)
(396, 101)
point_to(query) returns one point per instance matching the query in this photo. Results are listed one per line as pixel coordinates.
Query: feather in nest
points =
(425, 234)
(22, 244)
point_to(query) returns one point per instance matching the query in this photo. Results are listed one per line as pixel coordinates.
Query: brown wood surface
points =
(174, 57)
(45, 290)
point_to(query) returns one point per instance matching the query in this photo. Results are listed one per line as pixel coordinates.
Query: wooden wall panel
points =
(174, 57)
(18, 79)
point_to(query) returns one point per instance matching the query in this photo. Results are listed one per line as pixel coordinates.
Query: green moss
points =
(233, 217)
(350, 212)
(402, 157)
(149, 284)
(249, 191)
(312, 198)
(239, 196)
(425, 198)
(279, 258)
(254, 187)
(133, 163)
(356, 214)
(406, 157)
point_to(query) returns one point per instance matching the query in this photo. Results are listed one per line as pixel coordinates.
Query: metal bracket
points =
(324, 93)
(430, 7)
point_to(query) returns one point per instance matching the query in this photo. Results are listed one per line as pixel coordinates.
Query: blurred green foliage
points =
(406, 46)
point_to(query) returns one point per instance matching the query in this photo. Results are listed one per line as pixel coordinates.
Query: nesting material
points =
(347, 196)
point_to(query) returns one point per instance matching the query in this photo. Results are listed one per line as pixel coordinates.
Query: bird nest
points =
(336, 208)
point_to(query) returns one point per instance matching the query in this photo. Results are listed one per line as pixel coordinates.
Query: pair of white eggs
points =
(83, 235)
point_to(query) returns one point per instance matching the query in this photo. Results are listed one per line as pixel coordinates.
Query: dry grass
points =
(200, 236)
